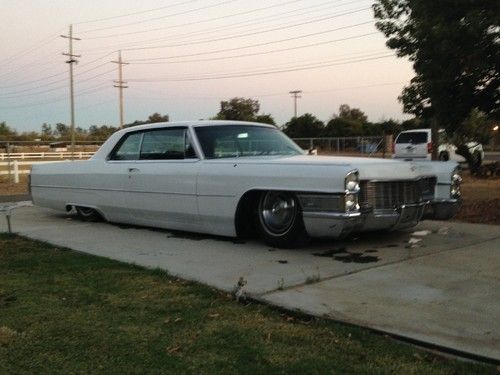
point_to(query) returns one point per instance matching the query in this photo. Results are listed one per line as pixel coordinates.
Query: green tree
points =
(47, 133)
(63, 131)
(100, 133)
(352, 114)
(156, 117)
(305, 126)
(6, 133)
(239, 109)
(456, 57)
(341, 127)
(265, 119)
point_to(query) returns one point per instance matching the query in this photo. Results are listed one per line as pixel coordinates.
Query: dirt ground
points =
(481, 202)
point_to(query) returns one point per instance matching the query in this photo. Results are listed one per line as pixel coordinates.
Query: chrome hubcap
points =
(277, 212)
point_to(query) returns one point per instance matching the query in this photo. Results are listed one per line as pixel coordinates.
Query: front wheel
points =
(279, 219)
(88, 214)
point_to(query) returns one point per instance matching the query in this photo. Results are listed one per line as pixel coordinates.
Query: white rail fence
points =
(45, 155)
(14, 167)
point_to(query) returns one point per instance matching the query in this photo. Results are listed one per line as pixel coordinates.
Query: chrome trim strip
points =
(131, 191)
(332, 215)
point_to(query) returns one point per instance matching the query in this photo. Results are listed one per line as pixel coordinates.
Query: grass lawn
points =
(66, 312)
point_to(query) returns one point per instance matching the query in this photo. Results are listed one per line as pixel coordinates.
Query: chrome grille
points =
(391, 194)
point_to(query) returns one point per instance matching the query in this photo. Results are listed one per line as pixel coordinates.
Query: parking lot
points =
(436, 284)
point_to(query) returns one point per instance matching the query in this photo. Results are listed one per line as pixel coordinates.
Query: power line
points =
(162, 17)
(90, 90)
(262, 72)
(249, 34)
(263, 95)
(236, 25)
(251, 45)
(261, 53)
(32, 48)
(210, 19)
(134, 13)
(58, 87)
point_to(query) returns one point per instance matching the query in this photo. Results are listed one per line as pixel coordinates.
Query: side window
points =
(166, 144)
(129, 148)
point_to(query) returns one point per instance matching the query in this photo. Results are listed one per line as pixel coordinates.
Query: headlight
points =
(352, 188)
(352, 182)
(456, 181)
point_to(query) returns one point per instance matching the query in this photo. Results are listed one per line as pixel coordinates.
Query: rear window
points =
(413, 137)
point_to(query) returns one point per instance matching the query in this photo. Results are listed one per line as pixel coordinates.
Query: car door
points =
(412, 145)
(114, 177)
(162, 183)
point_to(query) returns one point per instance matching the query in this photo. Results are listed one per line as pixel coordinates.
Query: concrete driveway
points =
(438, 283)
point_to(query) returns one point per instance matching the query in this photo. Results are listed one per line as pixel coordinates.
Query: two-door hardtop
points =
(235, 178)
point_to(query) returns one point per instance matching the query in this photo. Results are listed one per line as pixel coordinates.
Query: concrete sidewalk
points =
(438, 283)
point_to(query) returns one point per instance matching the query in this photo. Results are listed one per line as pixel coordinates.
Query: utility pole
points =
(296, 95)
(121, 84)
(71, 60)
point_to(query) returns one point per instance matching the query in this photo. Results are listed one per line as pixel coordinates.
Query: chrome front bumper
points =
(329, 224)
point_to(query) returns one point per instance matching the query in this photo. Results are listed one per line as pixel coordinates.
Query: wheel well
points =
(444, 155)
(244, 219)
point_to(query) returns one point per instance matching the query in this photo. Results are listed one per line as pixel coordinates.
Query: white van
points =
(417, 144)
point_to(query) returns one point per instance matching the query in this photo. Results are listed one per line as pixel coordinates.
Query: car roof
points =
(199, 123)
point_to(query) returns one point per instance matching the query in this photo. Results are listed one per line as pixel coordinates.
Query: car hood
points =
(369, 168)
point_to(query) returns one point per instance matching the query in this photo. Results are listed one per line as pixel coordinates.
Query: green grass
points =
(66, 312)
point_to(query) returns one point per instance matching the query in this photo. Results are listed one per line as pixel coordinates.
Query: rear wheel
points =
(88, 214)
(477, 159)
(279, 219)
(443, 156)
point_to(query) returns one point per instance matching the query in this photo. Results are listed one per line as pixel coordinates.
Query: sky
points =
(185, 56)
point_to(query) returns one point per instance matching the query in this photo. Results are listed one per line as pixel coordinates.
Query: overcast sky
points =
(186, 56)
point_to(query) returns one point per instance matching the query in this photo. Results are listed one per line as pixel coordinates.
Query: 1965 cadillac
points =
(233, 178)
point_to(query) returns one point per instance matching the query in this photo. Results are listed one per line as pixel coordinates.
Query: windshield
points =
(228, 141)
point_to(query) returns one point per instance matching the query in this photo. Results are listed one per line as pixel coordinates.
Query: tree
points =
(456, 57)
(6, 133)
(100, 133)
(352, 114)
(265, 119)
(239, 109)
(63, 131)
(156, 117)
(342, 127)
(305, 126)
(47, 133)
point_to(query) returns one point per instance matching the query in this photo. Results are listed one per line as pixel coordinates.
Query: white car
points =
(417, 144)
(236, 179)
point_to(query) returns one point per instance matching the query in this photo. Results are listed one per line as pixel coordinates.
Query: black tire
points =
(477, 159)
(279, 220)
(88, 214)
(443, 156)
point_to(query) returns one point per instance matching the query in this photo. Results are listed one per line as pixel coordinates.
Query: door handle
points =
(133, 170)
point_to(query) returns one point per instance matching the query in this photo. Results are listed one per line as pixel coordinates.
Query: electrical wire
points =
(162, 17)
(88, 91)
(248, 34)
(259, 72)
(249, 46)
(262, 53)
(15, 96)
(134, 13)
(212, 19)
